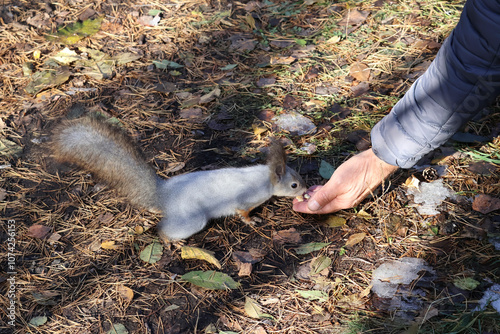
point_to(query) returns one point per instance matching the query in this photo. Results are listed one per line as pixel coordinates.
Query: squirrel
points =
(187, 201)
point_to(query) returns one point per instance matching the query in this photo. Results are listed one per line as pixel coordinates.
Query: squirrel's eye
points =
(294, 185)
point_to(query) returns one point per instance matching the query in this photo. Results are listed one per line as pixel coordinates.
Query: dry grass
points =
(76, 284)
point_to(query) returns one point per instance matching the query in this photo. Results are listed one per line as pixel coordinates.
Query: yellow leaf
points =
(125, 292)
(258, 130)
(412, 182)
(354, 239)
(363, 214)
(335, 221)
(188, 252)
(36, 54)
(251, 21)
(333, 40)
(109, 244)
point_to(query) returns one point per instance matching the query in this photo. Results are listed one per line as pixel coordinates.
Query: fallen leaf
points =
(291, 102)
(355, 239)
(247, 257)
(45, 297)
(152, 253)
(360, 71)
(3, 194)
(212, 280)
(210, 96)
(364, 215)
(254, 310)
(281, 60)
(318, 295)
(47, 79)
(335, 221)
(125, 57)
(188, 252)
(229, 67)
(117, 329)
(360, 89)
(333, 40)
(311, 247)
(412, 182)
(66, 56)
(319, 264)
(245, 269)
(194, 115)
(125, 292)
(263, 82)
(166, 64)
(74, 32)
(466, 283)
(287, 236)
(485, 203)
(149, 20)
(38, 321)
(353, 17)
(109, 244)
(38, 231)
(54, 237)
(295, 123)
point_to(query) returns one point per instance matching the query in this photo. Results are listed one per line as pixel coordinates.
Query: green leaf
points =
(76, 31)
(46, 79)
(301, 42)
(165, 64)
(154, 12)
(117, 329)
(466, 283)
(326, 170)
(212, 280)
(319, 264)
(228, 67)
(313, 295)
(38, 321)
(152, 253)
(311, 247)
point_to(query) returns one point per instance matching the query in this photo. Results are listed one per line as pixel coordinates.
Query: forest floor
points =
(201, 85)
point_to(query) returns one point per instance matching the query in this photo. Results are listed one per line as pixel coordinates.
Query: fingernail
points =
(313, 205)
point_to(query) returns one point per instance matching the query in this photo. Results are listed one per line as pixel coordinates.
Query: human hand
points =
(349, 185)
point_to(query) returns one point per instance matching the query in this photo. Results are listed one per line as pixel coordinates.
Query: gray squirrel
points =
(187, 201)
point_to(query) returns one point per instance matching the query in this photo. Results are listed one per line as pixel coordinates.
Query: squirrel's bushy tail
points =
(109, 153)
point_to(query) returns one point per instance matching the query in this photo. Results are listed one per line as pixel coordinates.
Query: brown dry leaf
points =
(412, 182)
(210, 96)
(54, 237)
(333, 40)
(360, 89)
(366, 291)
(109, 244)
(38, 231)
(95, 246)
(353, 17)
(125, 292)
(287, 236)
(263, 82)
(247, 257)
(258, 129)
(259, 330)
(193, 115)
(245, 269)
(291, 102)
(485, 203)
(354, 239)
(279, 60)
(360, 71)
(106, 218)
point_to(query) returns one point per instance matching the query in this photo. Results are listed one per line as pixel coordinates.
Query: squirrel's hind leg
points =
(174, 229)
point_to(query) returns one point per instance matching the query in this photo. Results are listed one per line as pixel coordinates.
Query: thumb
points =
(320, 198)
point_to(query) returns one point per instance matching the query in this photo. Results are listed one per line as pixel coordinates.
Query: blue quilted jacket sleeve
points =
(462, 80)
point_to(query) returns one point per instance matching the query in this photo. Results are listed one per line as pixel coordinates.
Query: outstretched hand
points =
(349, 185)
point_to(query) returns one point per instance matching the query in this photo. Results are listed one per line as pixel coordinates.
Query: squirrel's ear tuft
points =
(276, 160)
